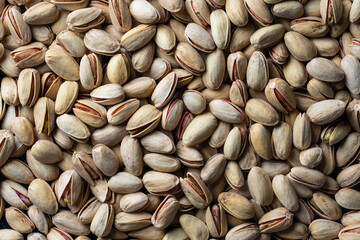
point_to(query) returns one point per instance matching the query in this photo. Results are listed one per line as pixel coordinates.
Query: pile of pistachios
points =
(176, 120)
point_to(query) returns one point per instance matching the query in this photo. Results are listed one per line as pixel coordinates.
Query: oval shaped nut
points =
(331, 11)
(9, 91)
(335, 132)
(143, 121)
(285, 192)
(160, 184)
(144, 12)
(227, 111)
(351, 67)
(196, 191)
(18, 220)
(235, 143)
(288, 9)
(215, 70)
(23, 130)
(165, 212)
(220, 28)
(73, 127)
(137, 37)
(259, 139)
(325, 70)
(56, 59)
(66, 97)
(8, 65)
(325, 229)
(257, 73)
(158, 142)
(164, 90)
(295, 72)
(189, 58)
(352, 111)
(213, 169)
(50, 84)
(134, 202)
(309, 177)
(15, 194)
(141, 87)
(310, 26)
(259, 11)
(41, 13)
(319, 90)
(260, 186)
(28, 86)
(165, 39)
(43, 197)
(69, 222)
(29, 55)
(121, 112)
(19, 29)
(276, 220)
(40, 219)
(84, 165)
(267, 36)
(199, 12)
(44, 115)
(244, 230)
(131, 153)
(118, 69)
(82, 20)
(18, 171)
(90, 113)
(103, 220)
(348, 150)
(325, 206)
(280, 95)
(236, 12)
(7, 141)
(194, 227)
(172, 114)
(236, 205)
(143, 58)
(216, 220)
(311, 157)
(162, 163)
(241, 37)
(124, 182)
(132, 221)
(189, 156)
(120, 15)
(108, 94)
(105, 159)
(326, 111)
(101, 42)
(262, 112)
(236, 66)
(347, 198)
(299, 46)
(199, 38)
(326, 47)
(238, 93)
(46, 152)
(302, 131)
(281, 139)
(199, 129)
(279, 53)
